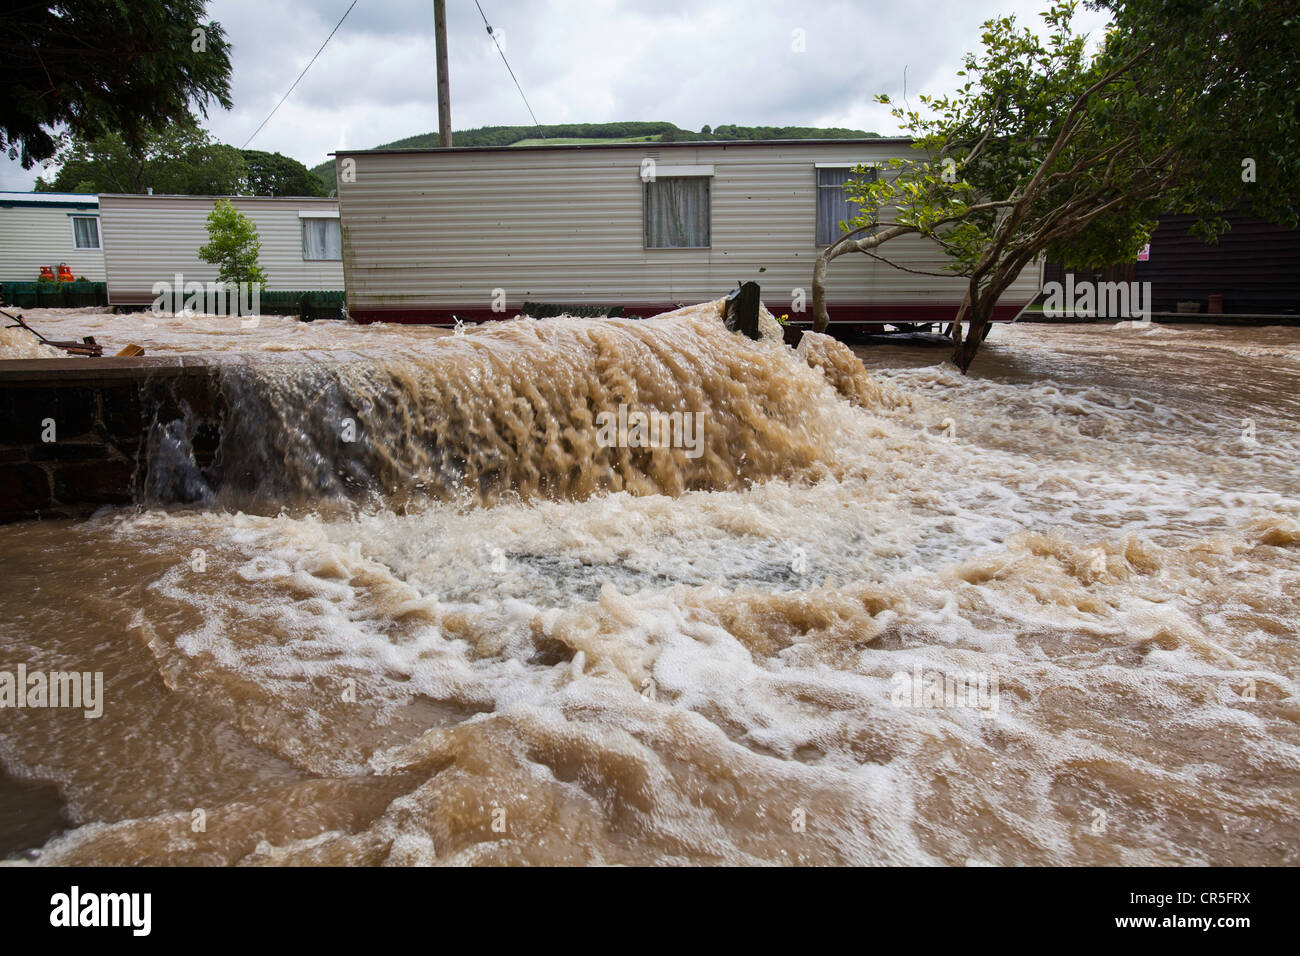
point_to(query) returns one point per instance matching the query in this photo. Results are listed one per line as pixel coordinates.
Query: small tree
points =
(233, 245)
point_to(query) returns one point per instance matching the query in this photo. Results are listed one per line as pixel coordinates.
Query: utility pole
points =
(444, 84)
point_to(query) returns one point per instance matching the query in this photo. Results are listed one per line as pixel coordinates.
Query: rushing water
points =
(476, 635)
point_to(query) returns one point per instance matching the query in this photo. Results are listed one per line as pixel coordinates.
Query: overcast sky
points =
(688, 62)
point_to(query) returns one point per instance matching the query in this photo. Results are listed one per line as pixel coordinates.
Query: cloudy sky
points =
(688, 62)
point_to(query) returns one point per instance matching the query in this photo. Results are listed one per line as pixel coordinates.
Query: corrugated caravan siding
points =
(149, 239)
(31, 237)
(437, 230)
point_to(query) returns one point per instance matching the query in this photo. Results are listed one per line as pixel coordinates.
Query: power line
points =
(506, 62)
(302, 74)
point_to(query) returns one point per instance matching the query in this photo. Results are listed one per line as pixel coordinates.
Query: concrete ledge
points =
(88, 370)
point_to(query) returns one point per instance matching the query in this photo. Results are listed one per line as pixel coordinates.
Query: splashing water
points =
(509, 643)
(517, 408)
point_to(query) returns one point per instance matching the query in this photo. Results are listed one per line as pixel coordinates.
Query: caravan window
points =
(321, 237)
(677, 214)
(85, 232)
(833, 206)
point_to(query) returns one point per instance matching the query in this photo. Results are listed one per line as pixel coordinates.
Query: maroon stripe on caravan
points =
(842, 314)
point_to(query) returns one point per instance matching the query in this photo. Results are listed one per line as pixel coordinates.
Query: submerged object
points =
(741, 313)
(87, 346)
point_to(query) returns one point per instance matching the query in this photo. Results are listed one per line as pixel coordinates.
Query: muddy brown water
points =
(516, 645)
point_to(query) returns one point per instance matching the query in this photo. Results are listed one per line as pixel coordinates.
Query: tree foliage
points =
(273, 174)
(99, 67)
(1048, 148)
(233, 245)
(180, 160)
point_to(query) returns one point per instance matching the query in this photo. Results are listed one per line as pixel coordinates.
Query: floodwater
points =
(1046, 614)
(168, 334)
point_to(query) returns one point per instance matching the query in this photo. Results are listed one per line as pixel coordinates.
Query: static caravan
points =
(40, 230)
(429, 234)
(151, 239)
(1254, 268)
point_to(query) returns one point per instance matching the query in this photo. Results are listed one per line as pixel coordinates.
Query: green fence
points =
(308, 306)
(546, 310)
(53, 295)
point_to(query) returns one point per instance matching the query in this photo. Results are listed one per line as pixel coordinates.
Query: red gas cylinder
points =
(47, 273)
(65, 274)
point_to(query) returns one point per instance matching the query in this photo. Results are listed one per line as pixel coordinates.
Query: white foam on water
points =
(712, 675)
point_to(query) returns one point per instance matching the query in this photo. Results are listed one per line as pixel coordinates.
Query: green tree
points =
(95, 67)
(1047, 149)
(233, 245)
(271, 174)
(179, 160)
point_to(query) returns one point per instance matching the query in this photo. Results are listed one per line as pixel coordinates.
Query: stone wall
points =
(75, 433)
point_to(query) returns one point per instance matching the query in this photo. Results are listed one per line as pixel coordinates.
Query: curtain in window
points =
(833, 206)
(677, 212)
(85, 232)
(321, 239)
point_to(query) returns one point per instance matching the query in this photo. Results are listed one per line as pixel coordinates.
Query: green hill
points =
(569, 134)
